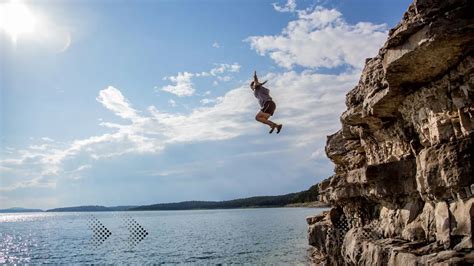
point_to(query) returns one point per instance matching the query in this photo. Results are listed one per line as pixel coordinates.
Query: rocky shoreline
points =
(402, 192)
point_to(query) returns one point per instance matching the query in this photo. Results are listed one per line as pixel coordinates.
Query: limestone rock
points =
(442, 223)
(402, 192)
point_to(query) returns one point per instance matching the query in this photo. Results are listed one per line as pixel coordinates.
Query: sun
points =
(16, 19)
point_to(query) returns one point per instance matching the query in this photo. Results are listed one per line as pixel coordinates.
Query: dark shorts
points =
(268, 107)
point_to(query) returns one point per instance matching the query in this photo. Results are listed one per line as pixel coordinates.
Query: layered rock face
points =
(402, 192)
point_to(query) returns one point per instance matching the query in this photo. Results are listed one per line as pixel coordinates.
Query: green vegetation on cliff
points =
(309, 195)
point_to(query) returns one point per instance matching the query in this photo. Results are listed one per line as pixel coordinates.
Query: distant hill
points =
(293, 199)
(90, 208)
(17, 209)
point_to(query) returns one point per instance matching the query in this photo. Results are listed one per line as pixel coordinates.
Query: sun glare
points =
(16, 19)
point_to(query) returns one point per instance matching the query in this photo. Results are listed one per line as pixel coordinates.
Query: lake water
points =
(274, 235)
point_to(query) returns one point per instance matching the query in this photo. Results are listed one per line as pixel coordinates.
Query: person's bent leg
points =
(263, 118)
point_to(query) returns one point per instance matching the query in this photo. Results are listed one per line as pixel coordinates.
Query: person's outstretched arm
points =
(255, 79)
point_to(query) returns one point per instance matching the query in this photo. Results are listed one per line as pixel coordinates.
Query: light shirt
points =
(262, 94)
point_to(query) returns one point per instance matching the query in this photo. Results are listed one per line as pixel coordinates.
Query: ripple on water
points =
(212, 236)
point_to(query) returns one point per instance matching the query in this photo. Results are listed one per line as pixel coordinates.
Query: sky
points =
(141, 102)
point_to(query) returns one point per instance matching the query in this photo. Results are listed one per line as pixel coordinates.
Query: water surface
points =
(276, 235)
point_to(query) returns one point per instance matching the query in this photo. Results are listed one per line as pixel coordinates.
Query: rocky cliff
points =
(402, 192)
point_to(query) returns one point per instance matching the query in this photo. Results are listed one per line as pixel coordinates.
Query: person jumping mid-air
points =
(266, 103)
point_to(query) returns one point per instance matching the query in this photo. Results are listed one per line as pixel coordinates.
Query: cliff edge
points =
(402, 192)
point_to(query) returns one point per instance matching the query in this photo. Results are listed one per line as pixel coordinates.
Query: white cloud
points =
(228, 118)
(83, 167)
(182, 84)
(290, 6)
(209, 100)
(42, 164)
(310, 103)
(34, 182)
(184, 169)
(216, 45)
(172, 102)
(112, 99)
(75, 174)
(222, 68)
(321, 38)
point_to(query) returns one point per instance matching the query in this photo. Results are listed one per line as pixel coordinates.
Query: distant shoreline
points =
(314, 205)
(306, 199)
